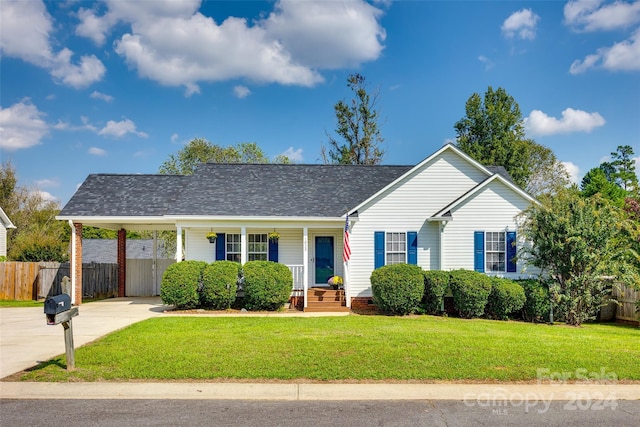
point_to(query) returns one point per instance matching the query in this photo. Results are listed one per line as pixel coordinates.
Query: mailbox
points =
(57, 304)
(57, 309)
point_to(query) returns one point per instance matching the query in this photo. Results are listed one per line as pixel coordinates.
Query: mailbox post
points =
(57, 309)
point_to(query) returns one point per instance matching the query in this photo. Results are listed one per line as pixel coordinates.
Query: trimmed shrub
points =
(219, 284)
(536, 306)
(470, 291)
(398, 288)
(506, 297)
(436, 283)
(180, 284)
(267, 285)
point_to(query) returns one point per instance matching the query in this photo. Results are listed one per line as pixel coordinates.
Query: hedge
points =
(536, 306)
(267, 285)
(398, 288)
(506, 297)
(219, 285)
(470, 291)
(436, 283)
(180, 284)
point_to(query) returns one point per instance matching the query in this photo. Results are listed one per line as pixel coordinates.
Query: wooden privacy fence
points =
(627, 298)
(34, 280)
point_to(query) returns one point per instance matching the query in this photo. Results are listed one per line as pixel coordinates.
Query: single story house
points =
(447, 212)
(5, 224)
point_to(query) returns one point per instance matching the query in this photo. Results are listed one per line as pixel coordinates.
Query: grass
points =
(365, 348)
(15, 303)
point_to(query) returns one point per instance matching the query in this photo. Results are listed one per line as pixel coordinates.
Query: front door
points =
(324, 259)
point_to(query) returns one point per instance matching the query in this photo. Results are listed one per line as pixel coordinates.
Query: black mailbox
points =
(57, 304)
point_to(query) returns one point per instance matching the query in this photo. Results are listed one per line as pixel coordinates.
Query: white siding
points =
(3, 240)
(494, 208)
(406, 207)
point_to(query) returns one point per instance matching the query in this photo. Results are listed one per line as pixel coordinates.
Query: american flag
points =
(346, 252)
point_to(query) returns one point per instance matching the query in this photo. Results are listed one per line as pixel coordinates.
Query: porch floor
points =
(325, 300)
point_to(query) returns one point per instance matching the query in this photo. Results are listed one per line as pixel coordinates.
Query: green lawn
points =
(348, 348)
(14, 303)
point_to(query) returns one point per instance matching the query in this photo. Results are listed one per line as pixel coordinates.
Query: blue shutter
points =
(273, 250)
(378, 241)
(412, 250)
(220, 248)
(511, 252)
(478, 251)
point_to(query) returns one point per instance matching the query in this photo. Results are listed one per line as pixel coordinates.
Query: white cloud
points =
(538, 123)
(637, 160)
(488, 64)
(174, 138)
(294, 155)
(103, 96)
(592, 15)
(26, 28)
(120, 129)
(622, 56)
(21, 126)
(521, 24)
(97, 151)
(241, 91)
(47, 182)
(573, 171)
(288, 46)
(46, 196)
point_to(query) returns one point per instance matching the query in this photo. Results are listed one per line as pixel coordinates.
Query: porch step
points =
(325, 300)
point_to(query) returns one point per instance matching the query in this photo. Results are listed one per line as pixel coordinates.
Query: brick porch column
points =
(77, 263)
(122, 261)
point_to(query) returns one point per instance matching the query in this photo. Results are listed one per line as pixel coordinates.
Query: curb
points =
(324, 392)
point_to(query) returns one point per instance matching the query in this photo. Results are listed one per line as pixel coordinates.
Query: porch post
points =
(122, 262)
(76, 263)
(305, 263)
(244, 250)
(179, 243)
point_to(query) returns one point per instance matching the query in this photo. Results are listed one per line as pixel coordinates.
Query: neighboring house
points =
(5, 224)
(447, 212)
(106, 250)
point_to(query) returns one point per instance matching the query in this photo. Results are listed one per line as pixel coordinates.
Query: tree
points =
(492, 132)
(595, 182)
(200, 150)
(625, 169)
(577, 242)
(38, 236)
(358, 126)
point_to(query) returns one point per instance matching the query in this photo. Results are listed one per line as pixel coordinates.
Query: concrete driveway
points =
(26, 339)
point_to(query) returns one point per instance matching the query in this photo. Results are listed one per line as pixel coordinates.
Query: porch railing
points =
(298, 276)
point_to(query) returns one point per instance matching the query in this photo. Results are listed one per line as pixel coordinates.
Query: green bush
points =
(180, 284)
(470, 291)
(40, 248)
(219, 284)
(267, 285)
(506, 297)
(536, 306)
(398, 288)
(436, 283)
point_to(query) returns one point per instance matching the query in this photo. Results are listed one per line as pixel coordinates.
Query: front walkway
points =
(26, 339)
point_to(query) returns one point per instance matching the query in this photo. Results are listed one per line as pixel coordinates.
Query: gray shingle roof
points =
(125, 195)
(106, 250)
(234, 190)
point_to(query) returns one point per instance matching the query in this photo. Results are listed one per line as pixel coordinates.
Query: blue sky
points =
(117, 86)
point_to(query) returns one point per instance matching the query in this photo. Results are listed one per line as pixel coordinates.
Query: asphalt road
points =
(322, 413)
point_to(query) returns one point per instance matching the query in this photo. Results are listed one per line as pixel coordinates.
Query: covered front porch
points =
(313, 252)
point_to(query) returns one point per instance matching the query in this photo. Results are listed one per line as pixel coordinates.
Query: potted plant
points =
(212, 236)
(274, 236)
(335, 282)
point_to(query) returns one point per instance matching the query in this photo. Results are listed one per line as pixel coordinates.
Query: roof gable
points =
(5, 220)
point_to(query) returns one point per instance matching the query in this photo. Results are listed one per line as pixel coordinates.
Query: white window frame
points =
(233, 247)
(390, 249)
(257, 247)
(495, 248)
